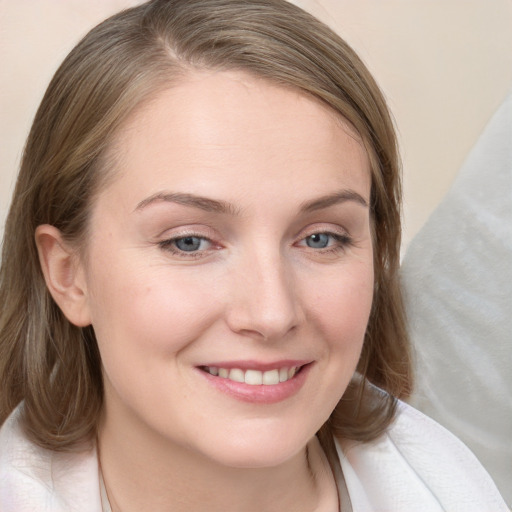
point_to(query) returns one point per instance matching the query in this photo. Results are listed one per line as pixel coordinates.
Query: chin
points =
(260, 448)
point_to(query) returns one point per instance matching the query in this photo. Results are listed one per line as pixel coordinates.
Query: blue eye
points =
(190, 243)
(186, 244)
(318, 240)
(326, 242)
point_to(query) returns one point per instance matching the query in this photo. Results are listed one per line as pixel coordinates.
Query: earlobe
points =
(63, 273)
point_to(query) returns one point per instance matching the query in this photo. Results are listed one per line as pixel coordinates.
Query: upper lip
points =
(258, 365)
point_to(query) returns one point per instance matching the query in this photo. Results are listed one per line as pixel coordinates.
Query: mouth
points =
(254, 377)
(256, 383)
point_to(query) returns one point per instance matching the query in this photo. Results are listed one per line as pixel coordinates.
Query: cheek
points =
(343, 304)
(136, 308)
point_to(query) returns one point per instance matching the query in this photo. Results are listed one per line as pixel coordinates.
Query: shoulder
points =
(416, 463)
(32, 478)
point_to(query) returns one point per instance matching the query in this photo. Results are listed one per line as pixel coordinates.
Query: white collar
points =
(415, 465)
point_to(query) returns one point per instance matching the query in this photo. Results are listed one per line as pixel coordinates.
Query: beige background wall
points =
(444, 65)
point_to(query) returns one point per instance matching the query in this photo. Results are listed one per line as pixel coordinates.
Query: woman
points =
(199, 280)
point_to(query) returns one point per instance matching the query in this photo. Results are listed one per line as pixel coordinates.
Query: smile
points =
(257, 382)
(254, 377)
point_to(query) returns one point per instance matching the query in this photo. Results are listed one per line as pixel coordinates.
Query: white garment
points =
(417, 466)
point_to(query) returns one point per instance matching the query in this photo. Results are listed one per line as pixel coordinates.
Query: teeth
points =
(236, 375)
(254, 377)
(271, 377)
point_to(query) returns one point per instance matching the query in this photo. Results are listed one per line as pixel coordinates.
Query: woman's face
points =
(229, 273)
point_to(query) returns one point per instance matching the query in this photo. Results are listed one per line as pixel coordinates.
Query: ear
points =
(64, 274)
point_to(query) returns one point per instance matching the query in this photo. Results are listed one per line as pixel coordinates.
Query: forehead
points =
(214, 124)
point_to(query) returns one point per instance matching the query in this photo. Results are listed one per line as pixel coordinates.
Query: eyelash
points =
(170, 245)
(342, 241)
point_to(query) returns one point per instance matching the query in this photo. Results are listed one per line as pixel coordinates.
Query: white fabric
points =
(457, 275)
(37, 480)
(416, 466)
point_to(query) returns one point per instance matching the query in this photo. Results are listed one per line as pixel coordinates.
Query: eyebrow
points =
(339, 197)
(216, 206)
(203, 203)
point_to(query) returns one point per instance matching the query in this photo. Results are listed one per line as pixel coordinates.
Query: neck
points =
(142, 473)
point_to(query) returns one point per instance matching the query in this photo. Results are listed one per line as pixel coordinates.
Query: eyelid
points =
(167, 240)
(328, 229)
(182, 231)
(340, 241)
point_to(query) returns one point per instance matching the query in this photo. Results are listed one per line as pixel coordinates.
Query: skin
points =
(260, 287)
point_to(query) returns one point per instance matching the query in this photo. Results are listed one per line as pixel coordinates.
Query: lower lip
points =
(261, 394)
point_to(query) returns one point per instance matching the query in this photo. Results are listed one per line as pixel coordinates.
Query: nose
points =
(263, 302)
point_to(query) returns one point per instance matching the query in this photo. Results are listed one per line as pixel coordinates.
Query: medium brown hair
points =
(54, 366)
